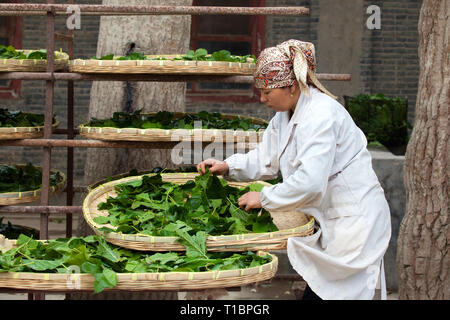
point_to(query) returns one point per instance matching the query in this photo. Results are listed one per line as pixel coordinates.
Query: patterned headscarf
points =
(290, 61)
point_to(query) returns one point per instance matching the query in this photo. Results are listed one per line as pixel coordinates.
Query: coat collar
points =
(287, 126)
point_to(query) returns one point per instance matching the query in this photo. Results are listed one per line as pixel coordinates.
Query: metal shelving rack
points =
(50, 10)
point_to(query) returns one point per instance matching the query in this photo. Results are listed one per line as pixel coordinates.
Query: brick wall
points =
(389, 64)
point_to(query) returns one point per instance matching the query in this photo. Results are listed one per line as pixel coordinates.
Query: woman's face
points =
(278, 99)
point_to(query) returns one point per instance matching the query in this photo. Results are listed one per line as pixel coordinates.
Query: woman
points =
(327, 173)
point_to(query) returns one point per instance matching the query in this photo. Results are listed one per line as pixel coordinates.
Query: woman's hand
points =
(215, 166)
(250, 200)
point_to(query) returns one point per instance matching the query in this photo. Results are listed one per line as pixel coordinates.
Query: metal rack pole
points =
(70, 136)
(108, 10)
(148, 77)
(49, 95)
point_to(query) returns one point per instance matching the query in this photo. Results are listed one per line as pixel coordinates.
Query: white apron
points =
(327, 173)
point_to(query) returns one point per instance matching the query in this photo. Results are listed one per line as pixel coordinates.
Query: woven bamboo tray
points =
(298, 225)
(162, 66)
(10, 198)
(170, 135)
(175, 281)
(24, 132)
(33, 65)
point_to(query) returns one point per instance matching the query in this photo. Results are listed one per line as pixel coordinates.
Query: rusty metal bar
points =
(42, 209)
(48, 117)
(87, 9)
(48, 121)
(70, 136)
(148, 77)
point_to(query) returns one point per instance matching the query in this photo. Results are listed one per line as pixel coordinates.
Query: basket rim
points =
(140, 237)
(161, 67)
(86, 129)
(27, 129)
(35, 193)
(59, 55)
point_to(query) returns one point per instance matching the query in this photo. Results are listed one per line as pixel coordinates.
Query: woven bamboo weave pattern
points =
(24, 132)
(162, 67)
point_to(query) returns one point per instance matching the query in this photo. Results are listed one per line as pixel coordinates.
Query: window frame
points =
(257, 43)
(12, 91)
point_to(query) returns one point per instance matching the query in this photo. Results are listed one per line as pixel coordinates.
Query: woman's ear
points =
(293, 89)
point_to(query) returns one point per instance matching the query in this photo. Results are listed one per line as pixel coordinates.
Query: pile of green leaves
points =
(221, 55)
(13, 231)
(93, 255)
(167, 120)
(9, 52)
(383, 120)
(17, 118)
(155, 207)
(131, 56)
(197, 55)
(15, 178)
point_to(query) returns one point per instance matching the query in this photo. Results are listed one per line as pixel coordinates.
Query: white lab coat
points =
(327, 173)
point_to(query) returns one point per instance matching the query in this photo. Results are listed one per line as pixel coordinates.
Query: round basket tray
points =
(13, 133)
(10, 198)
(178, 281)
(33, 65)
(165, 67)
(170, 135)
(298, 225)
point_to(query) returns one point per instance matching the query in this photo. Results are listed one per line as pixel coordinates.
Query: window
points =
(10, 34)
(239, 34)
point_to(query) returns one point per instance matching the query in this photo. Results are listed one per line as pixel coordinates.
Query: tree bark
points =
(423, 255)
(149, 34)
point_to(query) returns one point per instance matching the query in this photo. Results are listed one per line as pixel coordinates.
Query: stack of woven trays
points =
(289, 223)
(296, 224)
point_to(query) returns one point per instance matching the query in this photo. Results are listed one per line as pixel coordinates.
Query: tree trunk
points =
(423, 256)
(148, 34)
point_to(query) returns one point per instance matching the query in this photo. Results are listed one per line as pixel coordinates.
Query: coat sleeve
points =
(260, 163)
(315, 149)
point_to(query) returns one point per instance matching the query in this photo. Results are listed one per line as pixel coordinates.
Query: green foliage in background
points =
(382, 119)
